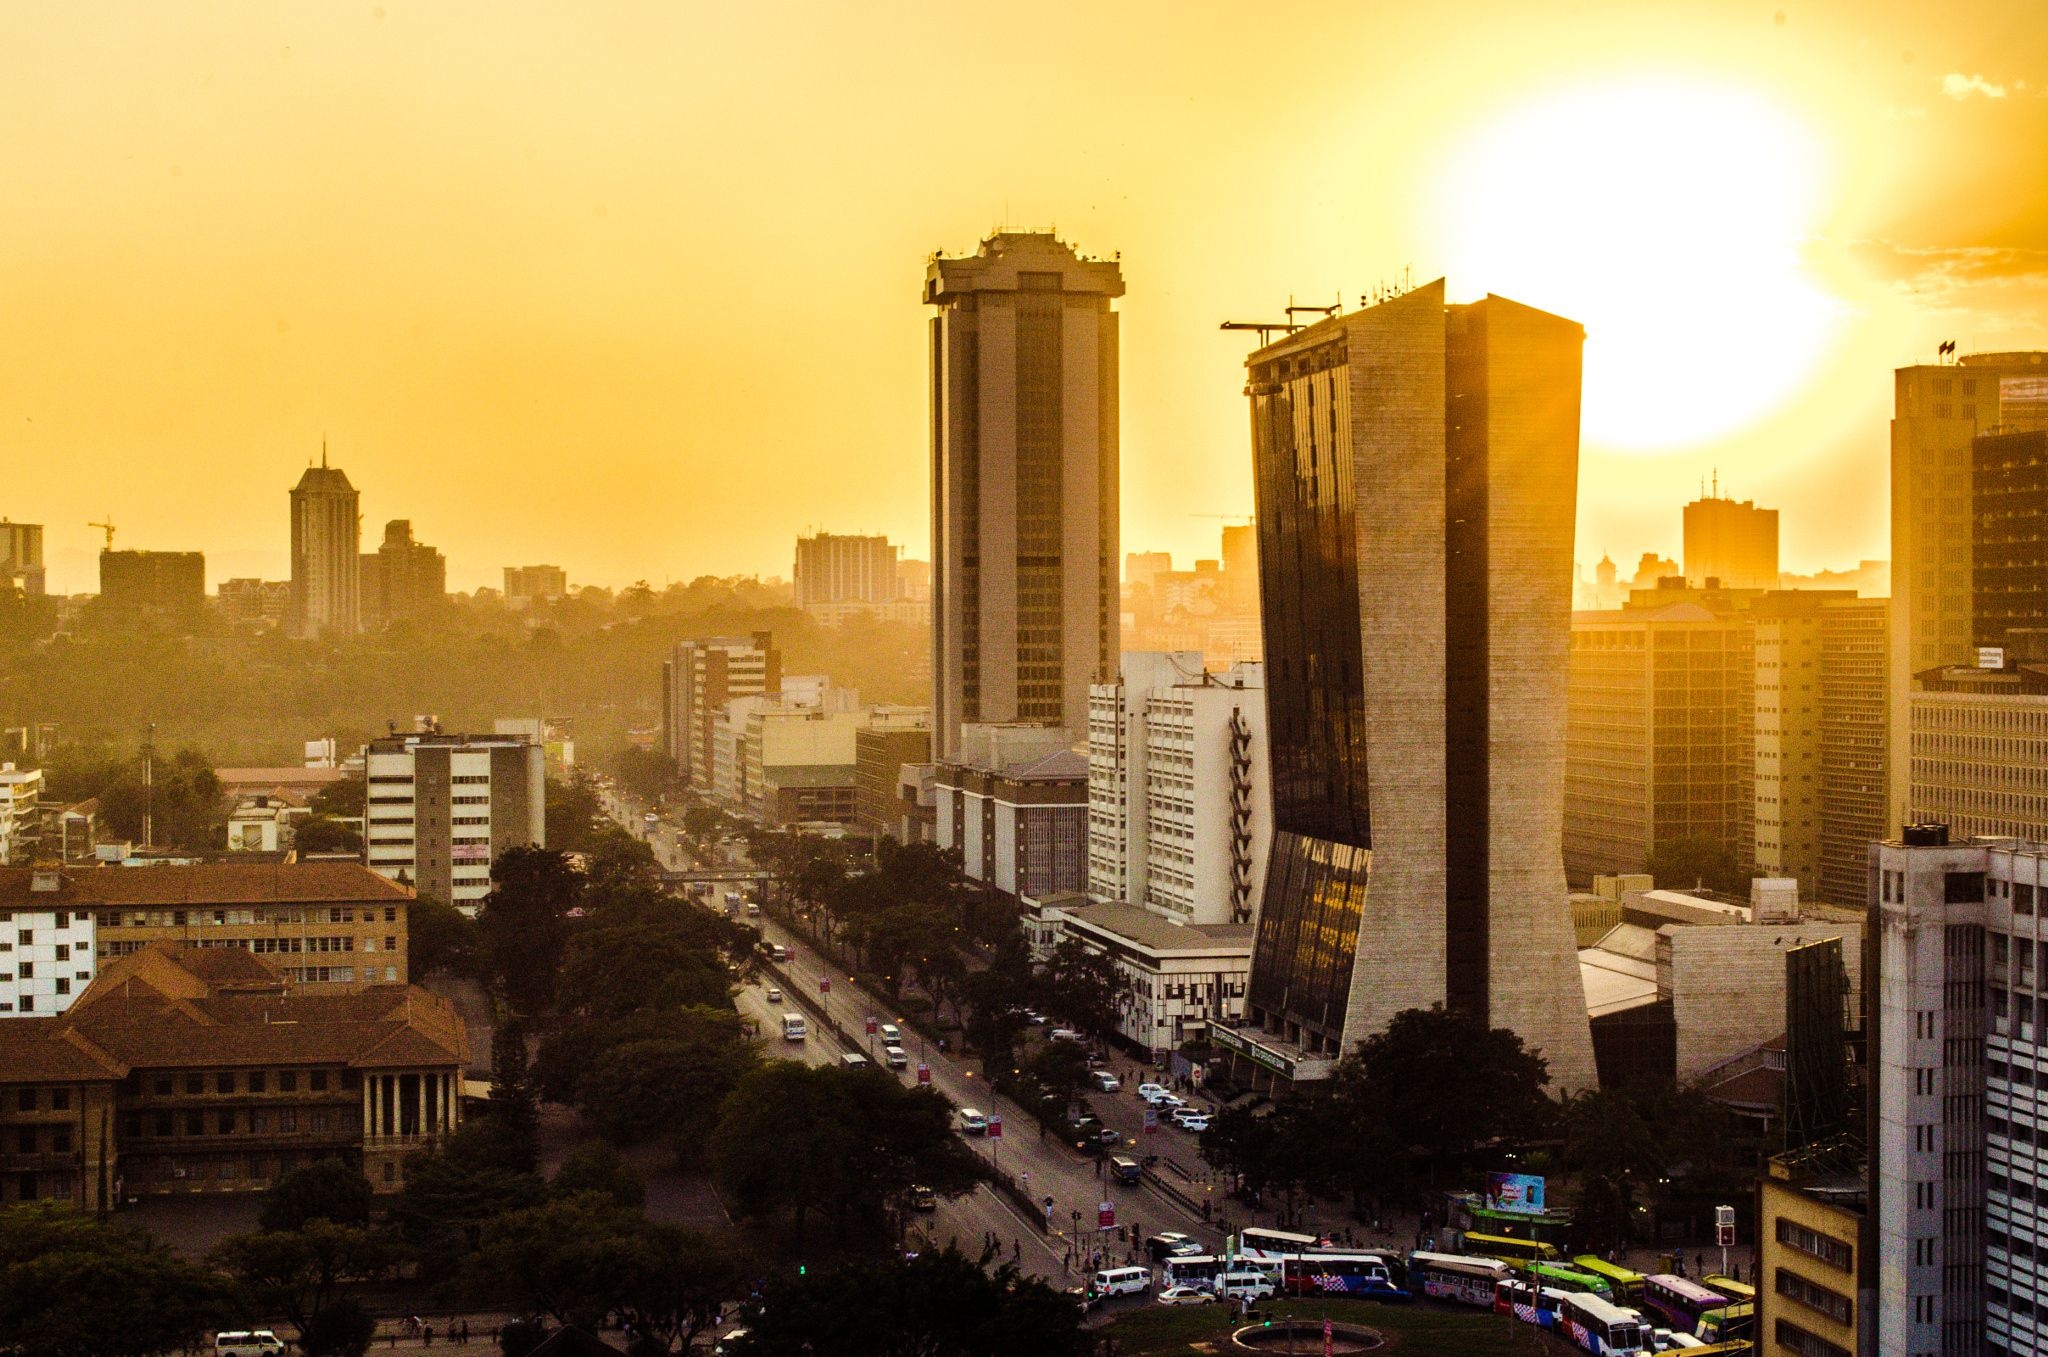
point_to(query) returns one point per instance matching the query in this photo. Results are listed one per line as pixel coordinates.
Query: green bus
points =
(1562, 1278)
(1727, 1323)
(1516, 1253)
(1627, 1286)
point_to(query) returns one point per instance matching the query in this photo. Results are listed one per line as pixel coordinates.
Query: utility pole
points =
(149, 787)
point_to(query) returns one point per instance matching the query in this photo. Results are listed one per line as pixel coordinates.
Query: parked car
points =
(1181, 1116)
(1195, 1124)
(923, 1198)
(1147, 1091)
(1064, 1034)
(1162, 1100)
(247, 1343)
(1185, 1295)
(1034, 1018)
(1107, 1082)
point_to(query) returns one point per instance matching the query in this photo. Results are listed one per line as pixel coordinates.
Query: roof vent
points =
(1930, 835)
(46, 883)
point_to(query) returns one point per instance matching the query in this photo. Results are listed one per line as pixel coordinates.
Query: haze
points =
(633, 289)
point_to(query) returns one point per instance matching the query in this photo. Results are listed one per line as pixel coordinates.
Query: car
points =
(1126, 1169)
(1107, 1082)
(1185, 1295)
(892, 1035)
(247, 1343)
(897, 1057)
(1171, 1244)
(1064, 1034)
(923, 1198)
(973, 1122)
(1164, 1101)
(1109, 1135)
(1194, 1123)
(1082, 1296)
(1033, 1017)
(774, 994)
(1146, 1091)
(730, 1342)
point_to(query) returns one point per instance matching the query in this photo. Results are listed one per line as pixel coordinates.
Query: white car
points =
(1185, 1295)
(1107, 1082)
(1163, 1100)
(1190, 1120)
(1147, 1091)
(892, 1035)
(1063, 1034)
(896, 1057)
(774, 995)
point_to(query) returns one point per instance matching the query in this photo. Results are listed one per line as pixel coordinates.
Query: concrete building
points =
(327, 536)
(1015, 803)
(1979, 748)
(840, 577)
(1024, 484)
(526, 585)
(329, 926)
(1177, 978)
(1938, 412)
(264, 822)
(698, 680)
(137, 584)
(1658, 734)
(1735, 543)
(1180, 806)
(184, 1072)
(1416, 472)
(1815, 1292)
(254, 602)
(21, 794)
(892, 739)
(441, 808)
(21, 557)
(403, 580)
(47, 958)
(800, 764)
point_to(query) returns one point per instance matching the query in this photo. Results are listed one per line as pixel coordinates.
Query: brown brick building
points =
(183, 1070)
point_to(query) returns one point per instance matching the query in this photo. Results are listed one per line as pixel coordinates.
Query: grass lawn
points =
(1411, 1330)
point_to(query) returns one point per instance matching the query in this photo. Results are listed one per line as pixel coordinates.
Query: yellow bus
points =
(1516, 1253)
(1627, 1286)
(1729, 1287)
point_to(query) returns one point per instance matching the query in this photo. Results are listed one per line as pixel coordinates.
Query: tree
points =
(568, 1258)
(994, 997)
(678, 1285)
(617, 864)
(1447, 1082)
(595, 1167)
(343, 1329)
(669, 1085)
(441, 939)
(1695, 860)
(180, 797)
(298, 1272)
(326, 1190)
(610, 972)
(646, 773)
(71, 1286)
(572, 815)
(1082, 987)
(524, 924)
(452, 1193)
(343, 800)
(323, 835)
(939, 1304)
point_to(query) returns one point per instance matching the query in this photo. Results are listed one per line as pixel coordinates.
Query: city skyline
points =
(387, 169)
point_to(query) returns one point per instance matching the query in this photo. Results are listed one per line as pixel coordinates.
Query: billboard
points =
(1520, 1193)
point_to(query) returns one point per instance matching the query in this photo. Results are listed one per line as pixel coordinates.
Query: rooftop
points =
(205, 884)
(1153, 933)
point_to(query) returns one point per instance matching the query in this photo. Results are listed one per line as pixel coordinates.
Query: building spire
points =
(323, 452)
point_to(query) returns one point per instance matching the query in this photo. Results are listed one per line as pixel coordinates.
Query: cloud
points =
(1949, 268)
(1956, 85)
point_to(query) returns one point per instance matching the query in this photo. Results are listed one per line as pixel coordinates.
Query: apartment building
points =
(442, 808)
(699, 679)
(21, 793)
(1815, 1290)
(47, 958)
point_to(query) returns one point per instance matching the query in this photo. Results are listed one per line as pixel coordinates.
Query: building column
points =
(369, 1122)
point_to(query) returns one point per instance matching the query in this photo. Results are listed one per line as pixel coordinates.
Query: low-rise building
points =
(47, 958)
(1177, 978)
(1815, 1288)
(1016, 806)
(184, 1072)
(264, 822)
(328, 926)
(21, 820)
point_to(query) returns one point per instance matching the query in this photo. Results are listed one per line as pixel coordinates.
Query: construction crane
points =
(107, 528)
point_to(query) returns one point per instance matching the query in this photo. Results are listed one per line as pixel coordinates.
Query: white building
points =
(1180, 805)
(46, 960)
(20, 824)
(1015, 803)
(441, 808)
(1959, 1157)
(264, 823)
(1176, 977)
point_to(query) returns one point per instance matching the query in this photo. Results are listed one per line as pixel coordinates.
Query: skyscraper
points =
(1416, 472)
(1735, 543)
(1024, 484)
(697, 680)
(327, 533)
(402, 579)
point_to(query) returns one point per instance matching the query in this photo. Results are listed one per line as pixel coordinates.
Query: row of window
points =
(1813, 1295)
(228, 1121)
(196, 1082)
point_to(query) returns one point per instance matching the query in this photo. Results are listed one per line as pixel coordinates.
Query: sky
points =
(634, 289)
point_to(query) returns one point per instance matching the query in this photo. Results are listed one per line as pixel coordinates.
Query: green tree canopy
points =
(73, 1287)
(1446, 1082)
(325, 1190)
(524, 923)
(298, 1273)
(595, 1167)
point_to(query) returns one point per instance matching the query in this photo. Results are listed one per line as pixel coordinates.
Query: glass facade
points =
(1041, 668)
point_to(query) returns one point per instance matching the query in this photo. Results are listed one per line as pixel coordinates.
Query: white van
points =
(793, 1028)
(972, 1122)
(892, 1035)
(1123, 1281)
(1246, 1283)
(247, 1343)
(850, 1061)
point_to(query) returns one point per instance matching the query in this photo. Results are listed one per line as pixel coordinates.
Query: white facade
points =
(1180, 807)
(46, 960)
(1176, 978)
(20, 791)
(441, 808)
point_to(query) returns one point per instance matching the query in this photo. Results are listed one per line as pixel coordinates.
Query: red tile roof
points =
(203, 884)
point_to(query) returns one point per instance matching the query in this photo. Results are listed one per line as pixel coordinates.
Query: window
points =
(257, 1079)
(224, 1121)
(1794, 1339)
(60, 1099)
(195, 1083)
(317, 1081)
(287, 1081)
(25, 1100)
(224, 1082)
(60, 1140)
(195, 1123)
(163, 1124)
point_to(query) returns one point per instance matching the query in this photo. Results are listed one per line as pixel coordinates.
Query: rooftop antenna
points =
(323, 452)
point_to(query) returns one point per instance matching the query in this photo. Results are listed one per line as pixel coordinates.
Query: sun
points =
(1668, 215)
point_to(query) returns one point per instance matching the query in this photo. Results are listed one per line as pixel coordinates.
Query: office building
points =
(1938, 412)
(441, 808)
(1024, 484)
(184, 1072)
(1979, 745)
(253, 602)
(891, 739)
(1177, 978)
(1180, 808)
(326, 553)
(914, 582)
(526, 585)
(800, 765)
(21, 793)
(697, 681)
(21, 557)
(402, 580)
(330, 927)
(169, 584)
(1815, 1289)
(1855, 750)
(841, 577)
(47, 958)
(1416, 472)
(1658, 734)
(1015, 803)
(1735, 543)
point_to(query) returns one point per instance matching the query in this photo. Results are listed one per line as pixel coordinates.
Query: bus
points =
(1340, 1274)
(1625, 1286)
(793, 1028)
(1200, 1269)
(1261, 1245)
(1602, 1327)
(1536, 1305)
(1728, 1286)
(1568, 1279)
(1678, 1302)
(1737, 1319)
(1456, 1277)
(1516, 1253)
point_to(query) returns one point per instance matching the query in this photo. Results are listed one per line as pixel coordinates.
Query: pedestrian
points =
(1699, 1264)
(427, 1335)
(1016, 1250)
(464, 1340)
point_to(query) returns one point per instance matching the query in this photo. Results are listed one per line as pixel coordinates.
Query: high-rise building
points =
(254, 602)
(21, 791)
(442, 808)
(1180, 808)
(2009, 555)
(21, 557)
(164, 583)
(327, 533)
(1938, 412)
(1416, 473)
(1979, 743)
(891, 739)
(403, 580)
(526, 585)
(698, 679)
(1024, 484)
(1735, 543)
(840, 576)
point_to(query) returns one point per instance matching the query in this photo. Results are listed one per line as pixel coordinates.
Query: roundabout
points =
(1306, 1336)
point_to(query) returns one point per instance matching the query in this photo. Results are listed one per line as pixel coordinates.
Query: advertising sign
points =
(1520, 1193)
(924, 1073)
(1105, 1216)
(873, 1025)
(995, 1128)
(825, 986)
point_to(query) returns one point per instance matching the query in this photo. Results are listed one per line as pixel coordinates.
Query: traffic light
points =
(801, 1269)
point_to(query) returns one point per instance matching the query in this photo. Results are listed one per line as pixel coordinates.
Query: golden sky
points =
(633, 289)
